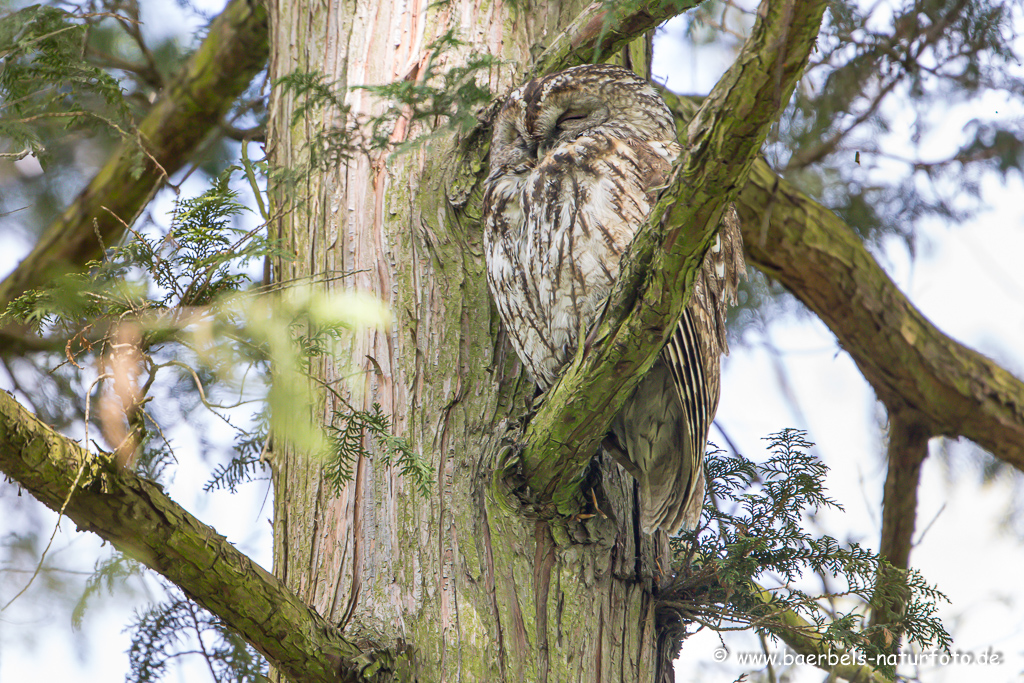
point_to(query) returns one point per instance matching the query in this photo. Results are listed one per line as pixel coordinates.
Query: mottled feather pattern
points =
(576, 161)
(558, 236)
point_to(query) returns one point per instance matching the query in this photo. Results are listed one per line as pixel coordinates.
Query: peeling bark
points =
(482, 584)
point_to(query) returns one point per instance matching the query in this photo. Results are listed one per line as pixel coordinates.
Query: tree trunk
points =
(471, 583)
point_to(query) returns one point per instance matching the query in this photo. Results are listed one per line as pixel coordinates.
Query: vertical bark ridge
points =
(543, 563)
(499, 626)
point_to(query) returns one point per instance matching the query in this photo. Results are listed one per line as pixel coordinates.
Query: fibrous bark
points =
(483, 585)
(481, 577)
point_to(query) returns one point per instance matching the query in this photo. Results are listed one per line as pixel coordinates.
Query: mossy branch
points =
(905, 358)
(602, 29)
(910, 363)
(805, 639)
(137, 517)
(930, 384)
(234, 51)
(657, 274)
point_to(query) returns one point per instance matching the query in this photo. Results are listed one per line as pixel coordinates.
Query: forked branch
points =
(911, 364)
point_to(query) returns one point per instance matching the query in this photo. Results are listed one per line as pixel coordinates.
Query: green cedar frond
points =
(347, 437)
(107, 575)
(762, 535)
(44, 81)
(177, 627)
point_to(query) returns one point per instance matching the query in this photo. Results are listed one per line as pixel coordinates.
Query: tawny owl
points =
(577, 158)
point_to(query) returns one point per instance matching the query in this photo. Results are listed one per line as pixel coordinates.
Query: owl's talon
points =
(593, 499)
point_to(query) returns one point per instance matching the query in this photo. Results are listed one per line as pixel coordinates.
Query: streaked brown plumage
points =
(576, 160)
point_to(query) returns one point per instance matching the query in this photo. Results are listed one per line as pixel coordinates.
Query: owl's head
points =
(593, 99)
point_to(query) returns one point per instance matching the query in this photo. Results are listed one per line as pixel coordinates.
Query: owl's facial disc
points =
(513, 149)
(566, 123)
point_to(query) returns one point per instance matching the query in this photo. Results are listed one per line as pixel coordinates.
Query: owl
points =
(576, 161)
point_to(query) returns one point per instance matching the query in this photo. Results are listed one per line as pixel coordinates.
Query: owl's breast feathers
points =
(554, 233)
(577, 160)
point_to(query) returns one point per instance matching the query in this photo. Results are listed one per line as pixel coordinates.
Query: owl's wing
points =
(723, 265)
(693, 352)
(694, 369)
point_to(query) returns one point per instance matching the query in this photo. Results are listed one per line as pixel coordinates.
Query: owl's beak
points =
(542, 147)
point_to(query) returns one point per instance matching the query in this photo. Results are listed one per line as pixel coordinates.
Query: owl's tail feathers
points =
(672, 495)
(655, 447)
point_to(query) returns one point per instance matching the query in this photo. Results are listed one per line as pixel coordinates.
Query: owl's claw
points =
(593, 499)
(584, 516)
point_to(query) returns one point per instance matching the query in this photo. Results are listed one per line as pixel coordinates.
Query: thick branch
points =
(233, 52)
(137, 518)
(803, 638)
(602, 29)
(657, 274)
(908, 361)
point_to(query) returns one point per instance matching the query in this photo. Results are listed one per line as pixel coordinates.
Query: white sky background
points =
(969, 550)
